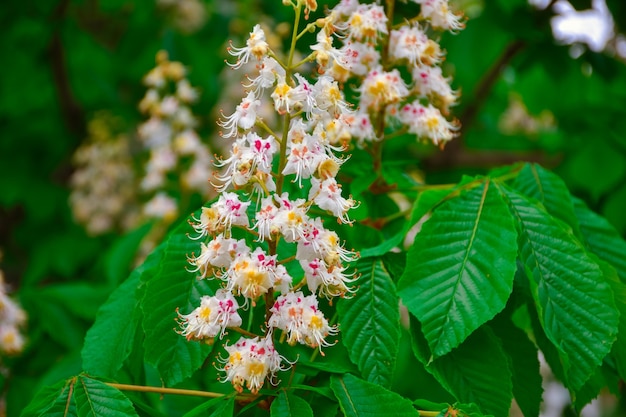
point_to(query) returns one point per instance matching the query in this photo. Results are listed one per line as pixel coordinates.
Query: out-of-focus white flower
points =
(412, 43)
(161, 206)
(430, 83)
(440, 16)
(366, 22)
(381, 88)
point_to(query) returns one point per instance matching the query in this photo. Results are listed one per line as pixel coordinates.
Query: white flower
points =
(255, 45)
(265, 224)
(287, 98)
(269, 71)
(412, 43)
(219, 252)
(321, 243)
(329, 97)
(250, 154)
(430, 83)
(290, 217)
(366, 22)
(381, 88)
(329, 280)
(244, 116)
(440, 16)
(231, 210)
(300, 317)
(253, 274)
(250, 362)
(211, 318)
(327, 195)
(303, 158)
(427, 122)
(361, 127)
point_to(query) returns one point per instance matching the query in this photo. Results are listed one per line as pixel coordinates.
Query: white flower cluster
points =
(371, 47)
(12, 320)
(103, 196)
(170, 138)
(239, 240)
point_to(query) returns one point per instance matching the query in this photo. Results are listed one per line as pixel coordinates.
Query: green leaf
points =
(225, 409)
(385, 246)
(546, 187)
(201, 409)
(475, 372)
(358, 398)
(288, 404)
(94, 399)
(460, 269)
(602, 238)
(54, 400)
(80, 298)
(524, 365)
(371, 322)
(167, 287)
(574, 303)
(109, 341)
(618, 350)
(121, 255)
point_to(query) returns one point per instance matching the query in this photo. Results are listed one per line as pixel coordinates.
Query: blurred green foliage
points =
(67, 59)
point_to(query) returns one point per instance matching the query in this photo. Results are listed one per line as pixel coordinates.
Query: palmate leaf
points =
(574, 302)
(371, 322)
(94, 399)
(290, 405)
(358, 398)
(167, 287)
(475, 372)
(460, 269)
(546, 187)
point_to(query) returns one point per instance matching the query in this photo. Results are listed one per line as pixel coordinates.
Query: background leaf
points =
(460, 269)
(524, 365)
(371, 322)
(574, 302)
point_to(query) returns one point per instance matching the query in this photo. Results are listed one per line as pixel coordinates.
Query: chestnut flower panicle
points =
(296, 173)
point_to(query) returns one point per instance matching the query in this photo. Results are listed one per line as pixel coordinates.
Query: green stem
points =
(178, 391)
(243, 332)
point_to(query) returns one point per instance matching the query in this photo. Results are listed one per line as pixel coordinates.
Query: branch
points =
(178, 391)
(71, 111)
(486, 84)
